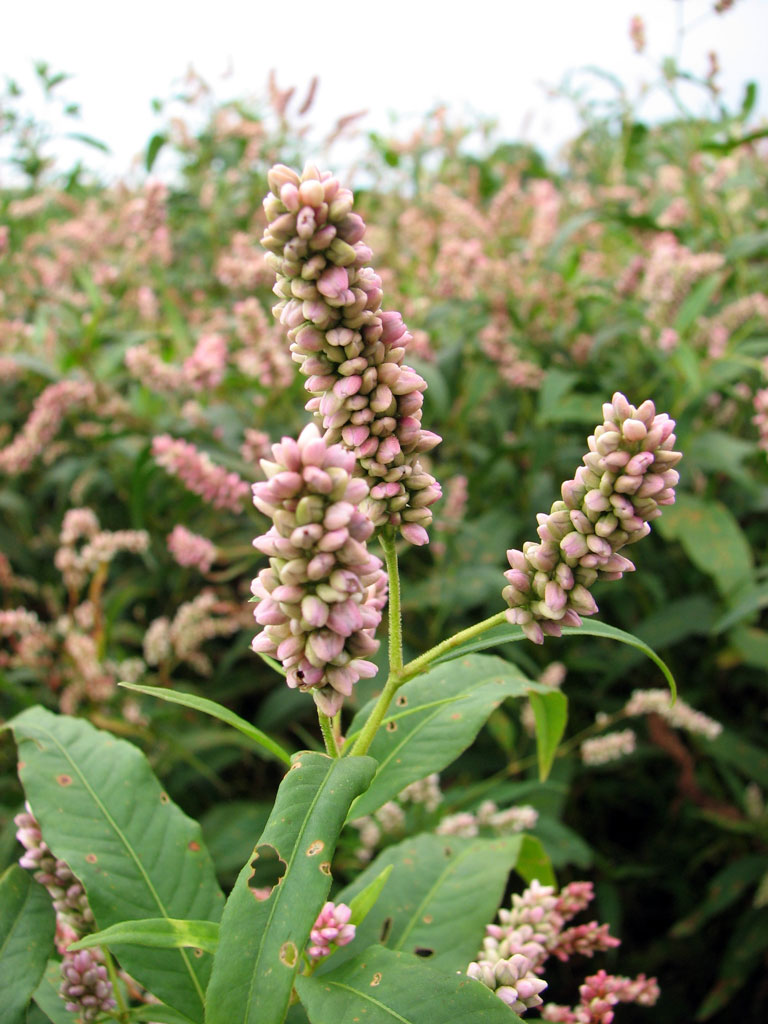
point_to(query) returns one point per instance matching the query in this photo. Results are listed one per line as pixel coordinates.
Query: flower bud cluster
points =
(191, 550)
(68, 895)
(679, 715)
(332, 927)
(321, 598)
(350, 351)
(195, 622)
(513, 981)
(627, 474)
(85, 987)
(599, 994)
(199, 474)
(100, 546)
(612, 746)
(49, 410)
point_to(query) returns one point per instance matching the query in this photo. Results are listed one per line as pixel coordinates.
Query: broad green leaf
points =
(230, 830)
(505, 634)
(27, 925)
(210, 707)
(437, 882)
(563, 846)
(550, 711)
(271, 910)
(102, 810)
(732, 749)
(380, 986)
(432, 720)
(712, 539)
(156, 933)
(361, 905)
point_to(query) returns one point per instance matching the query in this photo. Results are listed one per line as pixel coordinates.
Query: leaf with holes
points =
(102, 810)
(437, 882)
(382, 987)
(281, 890)
(27, 924)
(433, 719)
(550, 711)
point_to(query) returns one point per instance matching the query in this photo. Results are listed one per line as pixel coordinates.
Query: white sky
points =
(401, 56)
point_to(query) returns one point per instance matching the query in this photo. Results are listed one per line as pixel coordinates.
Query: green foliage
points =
(27, 924)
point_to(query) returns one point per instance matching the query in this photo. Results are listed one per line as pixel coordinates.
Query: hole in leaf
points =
(386, 928)
(391, 726)
(164, 798)
(325, 867)
(376, 979)
(401, 701)
(197, 953)
(266, 871)
(288, 954)
(423, 952)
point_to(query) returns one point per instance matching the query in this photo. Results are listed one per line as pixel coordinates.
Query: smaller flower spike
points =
(321, 598)
(628, 473)
(331, 927)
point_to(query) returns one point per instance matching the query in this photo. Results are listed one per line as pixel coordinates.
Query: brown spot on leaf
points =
(401, 701)
(386, 928)
(314, 848)
(391, 726)
(427, 919)
(376, 980)
(325, 867)
(289, 954)
(197, 952)
(21, 765)
(267, 870)
(91, 858)
(455, 716)
(194, 845)
(164, 798)
(294, 766)
(64, 780)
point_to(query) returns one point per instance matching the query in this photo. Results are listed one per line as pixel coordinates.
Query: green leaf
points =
(275, 902)
(27, 926)
(744, 952)
(229, 831)
(361, 905)
(210, 707)
(533, 862)
(432, 720)
(550, 711)
(102, 810)
(751, 602)
(383, 987)
(437, 882)
(712, 539)
(156, 143)
(505, 634)
(696, 302)
(89, 140)
(156, 933)
(732, 749)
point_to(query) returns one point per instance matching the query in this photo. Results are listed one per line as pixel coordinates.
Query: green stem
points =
(122, 1009)
(395, 615)
(422, 663)
(326, 726)
(365, 738)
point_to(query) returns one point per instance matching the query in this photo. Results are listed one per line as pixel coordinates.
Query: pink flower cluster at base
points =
(199, 473)
(332, 927)
(515, 950)
(191, 550)
(320, 600)
(352, 353)
(627, 474)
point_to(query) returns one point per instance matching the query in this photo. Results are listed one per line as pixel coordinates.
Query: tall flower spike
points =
(321, 598)
(628, 473)
(351, 352)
